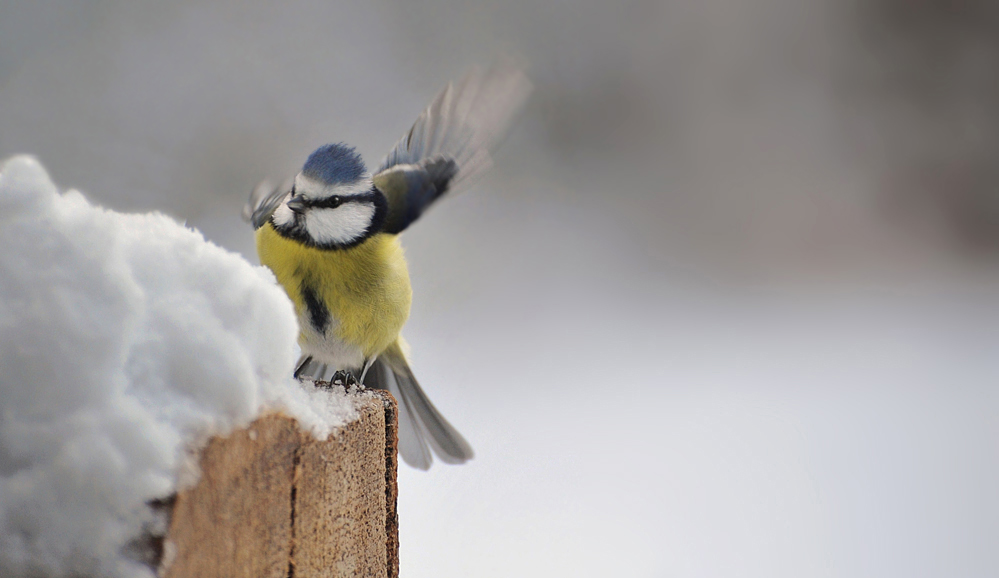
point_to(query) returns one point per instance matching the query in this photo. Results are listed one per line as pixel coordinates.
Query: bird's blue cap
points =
(334, 164)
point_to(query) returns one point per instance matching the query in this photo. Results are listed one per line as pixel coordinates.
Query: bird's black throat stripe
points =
(319, 315)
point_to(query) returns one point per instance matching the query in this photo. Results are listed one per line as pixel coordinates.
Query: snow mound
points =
(125, 341)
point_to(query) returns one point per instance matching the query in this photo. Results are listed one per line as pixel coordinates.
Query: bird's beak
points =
(297, 205)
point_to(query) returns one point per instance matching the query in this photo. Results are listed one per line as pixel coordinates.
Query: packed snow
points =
(126, 340)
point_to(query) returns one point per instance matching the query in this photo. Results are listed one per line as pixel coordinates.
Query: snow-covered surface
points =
(125, 340)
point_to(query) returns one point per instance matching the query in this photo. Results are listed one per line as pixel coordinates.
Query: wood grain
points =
(274, 502)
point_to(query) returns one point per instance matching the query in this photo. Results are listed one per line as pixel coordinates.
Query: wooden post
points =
(274, 502)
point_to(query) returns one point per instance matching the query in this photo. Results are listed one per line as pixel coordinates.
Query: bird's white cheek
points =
(341, 225)
(283, 216)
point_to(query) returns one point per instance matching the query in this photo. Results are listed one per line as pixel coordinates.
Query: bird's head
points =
(333, 203)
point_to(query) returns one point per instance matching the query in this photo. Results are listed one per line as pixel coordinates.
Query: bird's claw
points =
(344, 378)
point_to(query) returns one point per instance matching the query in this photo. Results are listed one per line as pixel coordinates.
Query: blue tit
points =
(331, 237)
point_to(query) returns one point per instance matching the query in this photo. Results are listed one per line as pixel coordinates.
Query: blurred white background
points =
(726, 306)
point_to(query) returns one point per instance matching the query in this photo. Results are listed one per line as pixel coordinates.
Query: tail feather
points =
(412, 446)
(305, 367)
(420, 423)
(448, 444)
(309, 368)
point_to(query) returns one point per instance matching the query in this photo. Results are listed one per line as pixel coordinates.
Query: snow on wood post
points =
(274, 501)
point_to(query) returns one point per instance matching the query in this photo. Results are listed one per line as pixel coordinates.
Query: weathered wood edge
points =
(391, 479)
(154, 548)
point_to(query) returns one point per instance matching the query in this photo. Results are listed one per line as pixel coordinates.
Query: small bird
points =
(331, 237)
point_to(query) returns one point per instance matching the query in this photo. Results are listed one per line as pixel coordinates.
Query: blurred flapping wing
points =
(450, 143)
(264, 199)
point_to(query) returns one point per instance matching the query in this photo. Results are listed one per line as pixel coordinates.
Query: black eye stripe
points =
(296, 229)
(327, 203)
(335, 201)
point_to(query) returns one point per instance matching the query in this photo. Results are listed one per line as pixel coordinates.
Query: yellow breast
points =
(365, 288)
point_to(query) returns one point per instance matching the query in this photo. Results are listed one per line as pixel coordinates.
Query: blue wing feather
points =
(449, 145)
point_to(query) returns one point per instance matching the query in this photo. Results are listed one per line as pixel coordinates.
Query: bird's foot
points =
(345, 379)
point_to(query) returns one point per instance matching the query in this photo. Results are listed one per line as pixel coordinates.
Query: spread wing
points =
(450, 143)
(264, 199)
